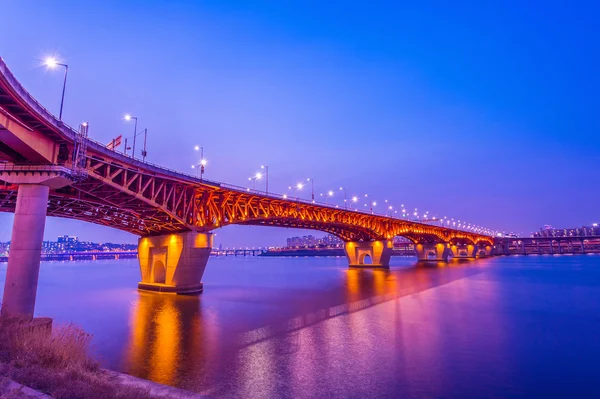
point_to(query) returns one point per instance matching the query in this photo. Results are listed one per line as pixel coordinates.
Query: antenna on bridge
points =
(80, 151)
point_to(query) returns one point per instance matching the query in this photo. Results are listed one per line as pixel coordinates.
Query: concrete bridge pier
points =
(23, 269)
(467, 251)
(34, 183)
(378, 252)
(484, 251)
(432, 252)
(174, 263)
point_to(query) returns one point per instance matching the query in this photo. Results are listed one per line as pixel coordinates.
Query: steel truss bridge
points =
(172, 212)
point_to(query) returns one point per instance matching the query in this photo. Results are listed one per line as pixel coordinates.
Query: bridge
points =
(50, 168)
(584, 244)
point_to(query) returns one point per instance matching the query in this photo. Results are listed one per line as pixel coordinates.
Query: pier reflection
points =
(169, 338)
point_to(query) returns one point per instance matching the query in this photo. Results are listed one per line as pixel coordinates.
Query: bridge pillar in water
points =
(468, 251)
(174, 263)
(432, 252)
(20, 287)
(485, 251)
(379, 252)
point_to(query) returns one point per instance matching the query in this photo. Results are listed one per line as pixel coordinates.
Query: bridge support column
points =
(23, 269)
(22, 273)
(437, 252)
(463, 251)
(379, 252)
(484, 251)
(174, 263)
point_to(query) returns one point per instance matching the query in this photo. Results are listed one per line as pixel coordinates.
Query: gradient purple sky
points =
(484, 113)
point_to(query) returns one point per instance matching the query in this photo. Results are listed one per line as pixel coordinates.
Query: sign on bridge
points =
(116, 142)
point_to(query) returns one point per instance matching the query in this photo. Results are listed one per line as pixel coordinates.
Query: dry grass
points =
(56, 363)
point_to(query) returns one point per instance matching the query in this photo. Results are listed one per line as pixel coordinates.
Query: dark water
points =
(510, 327)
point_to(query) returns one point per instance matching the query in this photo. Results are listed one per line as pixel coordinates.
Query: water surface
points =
(508, 327)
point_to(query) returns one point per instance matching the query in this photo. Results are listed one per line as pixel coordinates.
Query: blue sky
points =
(481, 112)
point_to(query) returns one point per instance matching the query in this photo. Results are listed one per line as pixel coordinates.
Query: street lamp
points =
(327, 195)
(256, 177)
(297, 188)
(200, 167)
(312, 183)
(266, 168)
(345, 197)
(129, 117)
(202, 162)
(52, 63)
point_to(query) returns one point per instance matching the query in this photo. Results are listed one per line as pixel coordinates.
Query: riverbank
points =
(55, 361)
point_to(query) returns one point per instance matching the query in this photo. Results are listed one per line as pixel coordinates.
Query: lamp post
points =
(129, 117)
(256, 177)
(144, 152)
(296, 188)
(345, 197)
(52, 63)
(312, 184)
(202, 162)
(266, 168)
(329, 194)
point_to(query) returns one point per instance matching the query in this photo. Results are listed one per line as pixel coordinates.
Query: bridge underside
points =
(96, 203)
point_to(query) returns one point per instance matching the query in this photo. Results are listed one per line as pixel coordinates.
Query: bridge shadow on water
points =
(193, 343)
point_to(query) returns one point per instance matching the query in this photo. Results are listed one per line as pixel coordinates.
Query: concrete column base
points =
(174, 263)
(167, 289)
(380, 253)
(437, 252)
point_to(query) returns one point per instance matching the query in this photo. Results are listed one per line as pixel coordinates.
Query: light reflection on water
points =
(311, 327)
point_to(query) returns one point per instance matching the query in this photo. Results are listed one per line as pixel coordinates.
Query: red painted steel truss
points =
(146, 203)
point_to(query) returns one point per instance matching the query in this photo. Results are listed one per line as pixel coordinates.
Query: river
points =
(506, 327)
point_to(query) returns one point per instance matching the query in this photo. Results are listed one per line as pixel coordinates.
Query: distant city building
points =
(69, 244)
(310, 241)
(549, 231)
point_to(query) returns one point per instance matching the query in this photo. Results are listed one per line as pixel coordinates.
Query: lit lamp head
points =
(203, 162)
(258, 176)
(51, 62)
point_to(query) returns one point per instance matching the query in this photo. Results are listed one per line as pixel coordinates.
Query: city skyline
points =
(330, 106)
